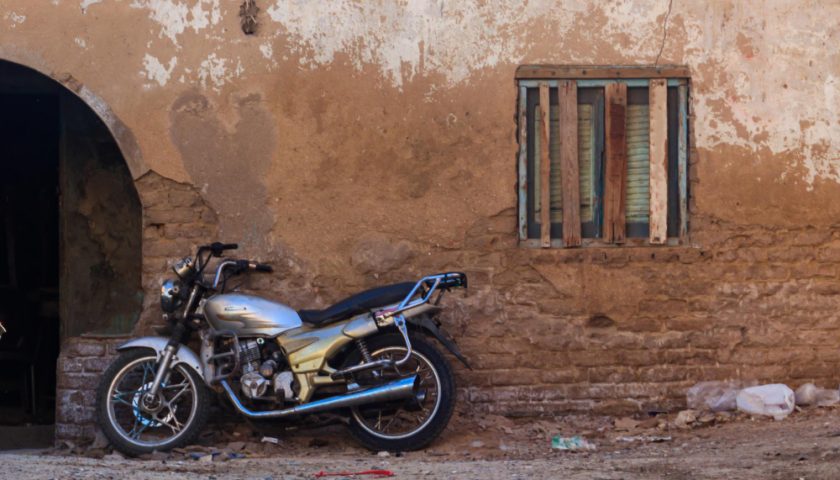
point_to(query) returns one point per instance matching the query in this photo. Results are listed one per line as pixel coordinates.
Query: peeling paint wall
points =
(353, 143)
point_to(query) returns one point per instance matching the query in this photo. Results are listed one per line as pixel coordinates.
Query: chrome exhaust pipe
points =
(397, 390)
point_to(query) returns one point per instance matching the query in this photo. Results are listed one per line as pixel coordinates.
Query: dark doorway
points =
(69, 243)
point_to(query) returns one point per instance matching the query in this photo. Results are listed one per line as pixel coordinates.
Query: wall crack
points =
(664, 32)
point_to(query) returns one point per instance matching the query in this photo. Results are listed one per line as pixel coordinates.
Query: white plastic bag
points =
(810, 394)
(718, 396)
(774, 400)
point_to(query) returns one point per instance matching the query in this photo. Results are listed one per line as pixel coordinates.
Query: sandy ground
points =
(805, 445)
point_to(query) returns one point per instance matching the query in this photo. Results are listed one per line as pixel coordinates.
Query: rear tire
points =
(424, 352)
(106, 400)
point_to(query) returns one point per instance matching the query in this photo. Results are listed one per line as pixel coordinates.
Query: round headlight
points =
(170, 295)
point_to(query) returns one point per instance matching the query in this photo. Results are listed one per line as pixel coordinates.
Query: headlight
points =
(170, 295)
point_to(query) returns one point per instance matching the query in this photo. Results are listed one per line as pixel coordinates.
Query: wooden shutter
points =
(638, 171)
(545, 167)
(569, 168)
(586, 161)
(616, 162)
(658, 107)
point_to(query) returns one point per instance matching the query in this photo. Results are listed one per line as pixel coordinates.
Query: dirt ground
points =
(805, 445)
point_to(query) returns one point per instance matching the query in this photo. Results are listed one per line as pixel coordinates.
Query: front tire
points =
(175, 418)
(366, 423)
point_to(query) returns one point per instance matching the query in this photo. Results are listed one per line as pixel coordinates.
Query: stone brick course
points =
(80, 366)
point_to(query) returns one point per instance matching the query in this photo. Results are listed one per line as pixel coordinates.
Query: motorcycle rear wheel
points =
(404, 426)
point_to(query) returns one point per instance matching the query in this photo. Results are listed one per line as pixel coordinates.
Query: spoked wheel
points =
(138, 423)
(412, 424)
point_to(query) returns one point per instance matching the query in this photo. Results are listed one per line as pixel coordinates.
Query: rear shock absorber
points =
(360, 342)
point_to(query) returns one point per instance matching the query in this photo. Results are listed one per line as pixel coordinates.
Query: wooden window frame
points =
(587, 78)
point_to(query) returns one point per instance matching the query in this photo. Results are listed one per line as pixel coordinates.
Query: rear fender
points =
(158, 344)
(428, 324)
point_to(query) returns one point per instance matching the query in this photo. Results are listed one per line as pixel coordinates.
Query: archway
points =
(70, 241)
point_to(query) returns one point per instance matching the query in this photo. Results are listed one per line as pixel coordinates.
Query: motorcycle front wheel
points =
(136, 423)
(404, 425)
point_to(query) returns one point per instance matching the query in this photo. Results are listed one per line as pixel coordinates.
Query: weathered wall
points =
(100, 228)
(354, 143)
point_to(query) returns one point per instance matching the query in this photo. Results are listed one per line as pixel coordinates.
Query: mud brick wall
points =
(80, 367)
(629, 329)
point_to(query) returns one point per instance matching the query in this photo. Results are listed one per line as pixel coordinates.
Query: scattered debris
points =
(775, 400)
(377, 473)
(810, 394)
(115, 455)
(715, 396)
(318, 442)
(626, 423)
(99, 440)
(706, 417)
(645, 438)
(571, 443)
(235, 446)
(685, 419)
(160, 456)
(204, 458)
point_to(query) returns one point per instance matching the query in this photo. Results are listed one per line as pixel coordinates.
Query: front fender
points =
(184, 354)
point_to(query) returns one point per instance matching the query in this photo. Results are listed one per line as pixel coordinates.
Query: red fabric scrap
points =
(378, 473)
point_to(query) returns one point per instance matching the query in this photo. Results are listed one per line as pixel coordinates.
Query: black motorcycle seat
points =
(355, 304)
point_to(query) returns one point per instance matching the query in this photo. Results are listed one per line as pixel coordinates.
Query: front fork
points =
(165, 362)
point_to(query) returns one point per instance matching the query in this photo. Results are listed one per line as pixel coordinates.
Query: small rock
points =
(685, 418)
(161, 456)
(477, 444)
(235, 446)
(273, 440)
(95, 453)
(706, 417)
(114, 456)
(206, 458)
(318, 442)
(649, 423)
(626, 423)
(99, 440)
(383, 454)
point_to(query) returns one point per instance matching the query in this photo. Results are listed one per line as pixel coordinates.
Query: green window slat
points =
(638, 164)
(586, 162)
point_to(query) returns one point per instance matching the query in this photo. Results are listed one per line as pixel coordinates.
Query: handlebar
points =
(217, 248)
(240, 266)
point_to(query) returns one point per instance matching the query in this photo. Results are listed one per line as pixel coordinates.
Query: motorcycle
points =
(369, 358)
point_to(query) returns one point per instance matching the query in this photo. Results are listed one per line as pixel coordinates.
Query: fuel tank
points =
(249, 315)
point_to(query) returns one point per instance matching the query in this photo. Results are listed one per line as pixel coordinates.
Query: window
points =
(602, 155)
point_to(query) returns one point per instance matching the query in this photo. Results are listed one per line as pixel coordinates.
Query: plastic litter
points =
(810, 394)
(715, 396)
(774, 400)
(571, 443)
(273, 440)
